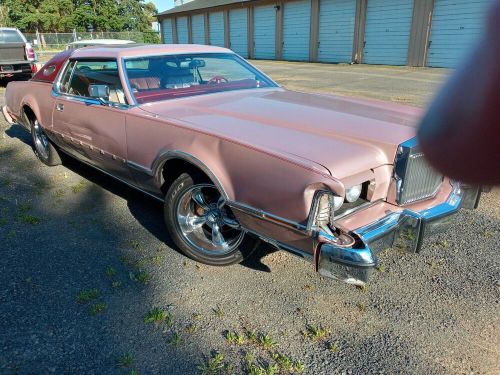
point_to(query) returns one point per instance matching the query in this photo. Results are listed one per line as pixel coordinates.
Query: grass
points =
(116, 284)
(24, 207)
(234, 338)
(251, 336)
(197, 316)
(58, 194)
(29, 219)
(317, 333)
(110, 271)
(332, 346)
(218, 311)
(126, 360)
(266, 342)
(97, 308)
(136, 245)
(78, 188)
(3, 221)
(443, 243)
(212, 365)
(143, 277)
(157, 315)
(175, 340)
(286, 364)
(155, 260)
(88, 295)
(191, 328)
(361, 307)
(7, 182)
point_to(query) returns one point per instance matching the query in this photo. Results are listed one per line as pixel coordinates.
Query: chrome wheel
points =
(40, 140)
(206, 223)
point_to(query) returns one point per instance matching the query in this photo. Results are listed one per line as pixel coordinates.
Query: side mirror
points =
(100, 92)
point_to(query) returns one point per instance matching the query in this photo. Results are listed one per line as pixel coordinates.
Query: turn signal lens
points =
(352, 194)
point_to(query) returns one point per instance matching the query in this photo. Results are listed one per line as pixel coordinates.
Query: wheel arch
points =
(171, 164)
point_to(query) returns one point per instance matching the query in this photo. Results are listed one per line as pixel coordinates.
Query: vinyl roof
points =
(200, 4)
(134, 50)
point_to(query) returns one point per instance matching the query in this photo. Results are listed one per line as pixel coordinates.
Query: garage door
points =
(166, 27)
(456, 24)
(198, 29)
(296, 30)
(182, 30)
(336, 30)
(387, 31)
(264, 32)
(216, 27)
(238, 31)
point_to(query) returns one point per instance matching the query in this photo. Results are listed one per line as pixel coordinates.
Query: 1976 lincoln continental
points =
(235, 158)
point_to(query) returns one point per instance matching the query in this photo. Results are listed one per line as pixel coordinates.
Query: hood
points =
(344, 135)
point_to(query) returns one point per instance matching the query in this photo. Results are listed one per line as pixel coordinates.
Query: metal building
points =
(392, 32)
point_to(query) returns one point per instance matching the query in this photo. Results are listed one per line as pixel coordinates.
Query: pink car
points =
(236, 158)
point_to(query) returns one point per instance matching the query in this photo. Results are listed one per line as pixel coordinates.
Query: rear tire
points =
(42, 146)
(202, 226)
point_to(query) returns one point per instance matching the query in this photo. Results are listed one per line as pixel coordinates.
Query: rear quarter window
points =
(10, 36)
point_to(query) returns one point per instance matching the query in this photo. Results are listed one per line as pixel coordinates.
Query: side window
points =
(88, 73)
(66, 78)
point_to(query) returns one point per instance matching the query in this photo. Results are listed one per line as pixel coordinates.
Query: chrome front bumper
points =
(405, 229)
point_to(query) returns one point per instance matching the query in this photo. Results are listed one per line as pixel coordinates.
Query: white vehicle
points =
(97, 42)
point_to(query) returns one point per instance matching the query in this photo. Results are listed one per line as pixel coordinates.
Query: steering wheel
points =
(216, 80)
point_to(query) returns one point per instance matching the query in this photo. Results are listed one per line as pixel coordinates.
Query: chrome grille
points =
(416, 179)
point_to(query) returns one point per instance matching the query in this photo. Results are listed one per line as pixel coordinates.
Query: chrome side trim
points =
(177, 154)
(260, 214)
(113, 176)
(140, 168)
(281, 246)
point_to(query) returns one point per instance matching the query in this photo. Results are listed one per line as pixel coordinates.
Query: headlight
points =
(352, 194)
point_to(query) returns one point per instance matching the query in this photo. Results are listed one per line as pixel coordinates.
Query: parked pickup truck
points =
(17, 57)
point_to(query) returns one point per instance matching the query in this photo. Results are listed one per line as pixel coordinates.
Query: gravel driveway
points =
(90, 284)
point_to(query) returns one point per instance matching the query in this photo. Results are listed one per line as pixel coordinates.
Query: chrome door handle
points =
(60, 107)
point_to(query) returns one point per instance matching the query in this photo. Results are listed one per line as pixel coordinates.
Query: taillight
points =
(34, 68)
(30, 53)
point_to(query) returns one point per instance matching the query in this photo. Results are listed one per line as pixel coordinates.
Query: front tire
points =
(43, 148)
(202, 225)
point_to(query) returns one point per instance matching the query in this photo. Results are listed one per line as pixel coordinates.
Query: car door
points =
(92, 129)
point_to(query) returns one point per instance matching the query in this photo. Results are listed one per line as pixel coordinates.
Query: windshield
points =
(10, 36)
(157, 78)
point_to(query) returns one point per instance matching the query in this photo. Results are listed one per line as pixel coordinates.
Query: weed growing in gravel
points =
(155, 260)
(11, 234)
(218, 311)
(257, 369)
(266, 342)
(110, 271)
(88, 295)
(58, 194)
(213, 365)
(380, 269)
(287, 365)
(6, 182)
(24, 207)
(29, 219)
(234, 338)
(317, 333)
(126, 360)
(97, 308)
(143, 277)
(78, 188)
(332, 346)
(361, 307)
(133, 372)
(116, 284)
(251, 336)
(3, 221)
(363, 288)
(442, 243)
(191, 328)
(175, 340)
(136, 245)
(197, 316)
(158, 315)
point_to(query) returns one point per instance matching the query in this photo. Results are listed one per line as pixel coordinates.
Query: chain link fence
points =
(50, 43)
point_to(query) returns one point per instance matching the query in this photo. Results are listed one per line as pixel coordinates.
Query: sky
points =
(162, 5)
